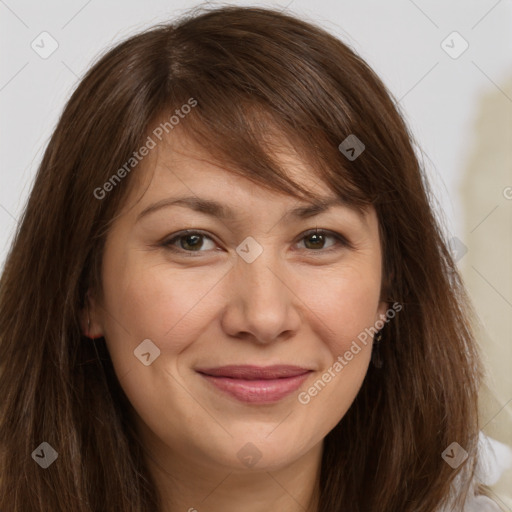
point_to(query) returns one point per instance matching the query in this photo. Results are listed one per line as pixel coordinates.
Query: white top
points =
(495, 458)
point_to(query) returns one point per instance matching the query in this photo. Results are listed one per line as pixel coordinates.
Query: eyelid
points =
(342, 240)
(338, 236)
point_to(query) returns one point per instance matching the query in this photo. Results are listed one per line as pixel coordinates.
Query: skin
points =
(297, 303)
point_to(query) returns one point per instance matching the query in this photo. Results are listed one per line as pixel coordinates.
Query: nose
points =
(262, 305)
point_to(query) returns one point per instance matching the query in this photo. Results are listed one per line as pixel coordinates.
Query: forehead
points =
(179, 161)
(180, 171)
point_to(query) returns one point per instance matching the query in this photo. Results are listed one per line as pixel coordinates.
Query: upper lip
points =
(250, 372)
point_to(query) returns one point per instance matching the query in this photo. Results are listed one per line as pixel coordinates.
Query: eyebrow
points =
(222, 211)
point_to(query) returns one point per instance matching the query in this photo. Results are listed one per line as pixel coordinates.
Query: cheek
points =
(345, 309)
(169, 307)
(151, 301)
(346, 302)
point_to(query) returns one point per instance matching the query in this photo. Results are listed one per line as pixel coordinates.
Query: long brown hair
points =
(253, 72)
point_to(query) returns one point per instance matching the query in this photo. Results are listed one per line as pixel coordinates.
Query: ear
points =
(89, 318)
(385, 294)
(381, 310)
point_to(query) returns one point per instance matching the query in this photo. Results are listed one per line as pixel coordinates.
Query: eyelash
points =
(342, 242)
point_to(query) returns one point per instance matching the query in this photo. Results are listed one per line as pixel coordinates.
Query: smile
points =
(256, 385)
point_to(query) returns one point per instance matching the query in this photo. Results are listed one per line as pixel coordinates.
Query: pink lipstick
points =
(256, 384)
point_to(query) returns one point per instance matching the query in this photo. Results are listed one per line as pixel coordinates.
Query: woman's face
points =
(252, 288)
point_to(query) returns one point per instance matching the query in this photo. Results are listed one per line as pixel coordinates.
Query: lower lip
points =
(258, 391)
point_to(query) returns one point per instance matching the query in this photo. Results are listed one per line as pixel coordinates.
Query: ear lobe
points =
(386, 294)
(381, 311)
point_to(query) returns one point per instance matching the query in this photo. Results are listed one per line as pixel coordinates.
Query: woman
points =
(229, 290)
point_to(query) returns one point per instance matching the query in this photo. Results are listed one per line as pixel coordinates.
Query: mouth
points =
(256, 384)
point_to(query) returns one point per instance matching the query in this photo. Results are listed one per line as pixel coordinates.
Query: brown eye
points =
(316, 240)
(192, 243)
(188, 241)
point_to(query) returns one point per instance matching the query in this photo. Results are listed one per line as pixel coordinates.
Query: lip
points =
(253, 372)
(256, 384)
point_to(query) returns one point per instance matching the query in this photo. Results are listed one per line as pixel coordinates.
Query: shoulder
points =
(494, 459)
(481, 504)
